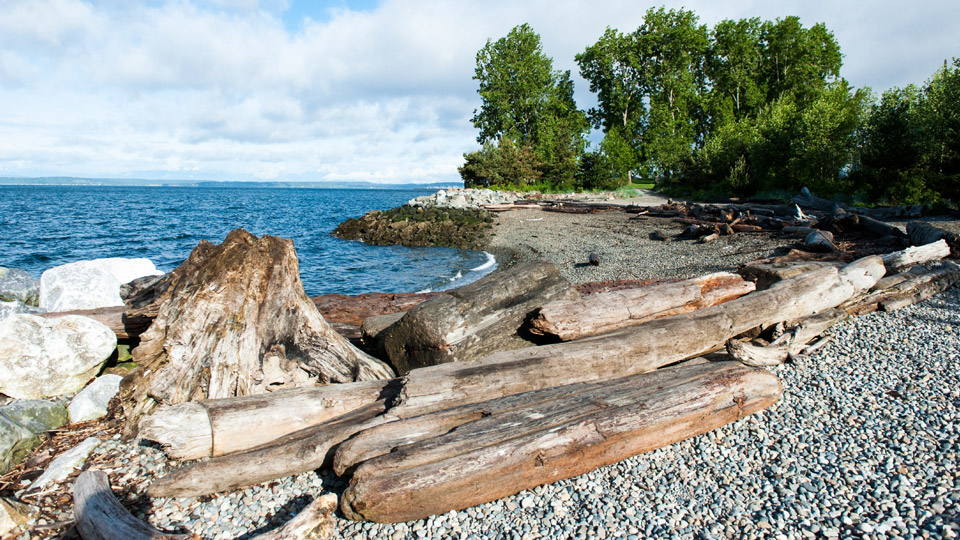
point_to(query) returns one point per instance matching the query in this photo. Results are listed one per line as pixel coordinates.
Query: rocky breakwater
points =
(452, 218)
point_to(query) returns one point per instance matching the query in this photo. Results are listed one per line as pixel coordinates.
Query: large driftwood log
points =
(627, 351)
(232, 320)
(605, 312)
(912, 256)
(900, 290)
(809, 200)
(100, 516)
(922, 233)
(302, 451)
(475, 320)
(223, 426)
(559, 433)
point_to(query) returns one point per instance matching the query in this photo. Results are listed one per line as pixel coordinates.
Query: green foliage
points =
(528, 117)
(499, 165)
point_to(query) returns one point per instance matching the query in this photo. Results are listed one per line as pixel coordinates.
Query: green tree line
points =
(746, 107)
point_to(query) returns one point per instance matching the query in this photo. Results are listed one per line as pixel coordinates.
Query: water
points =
(46, 226)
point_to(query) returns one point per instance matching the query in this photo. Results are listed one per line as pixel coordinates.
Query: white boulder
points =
(61, 467)
(92, 401)
(49, 357)
(90, 284)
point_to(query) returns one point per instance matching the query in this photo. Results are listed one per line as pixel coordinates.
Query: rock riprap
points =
(18, 285)
(13, 307)
(463, 198)
(21, 424)
(408, 225)
(90, 284)
(49, 357)
(91, 402)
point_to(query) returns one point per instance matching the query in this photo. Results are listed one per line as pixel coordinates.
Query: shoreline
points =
(863, 443)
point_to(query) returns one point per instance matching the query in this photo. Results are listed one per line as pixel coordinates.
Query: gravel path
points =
(864, 442)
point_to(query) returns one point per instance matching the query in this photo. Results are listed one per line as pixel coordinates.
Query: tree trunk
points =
(556, 434)
(912, 256)
(475, 320)
(922, 233)
(232, 320)
(222, 426)
(820, 242)
(605, 312)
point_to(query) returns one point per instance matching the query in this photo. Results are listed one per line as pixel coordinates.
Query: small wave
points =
(458, 276)
(491, 260)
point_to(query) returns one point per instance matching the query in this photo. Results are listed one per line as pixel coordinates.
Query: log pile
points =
(622, 373)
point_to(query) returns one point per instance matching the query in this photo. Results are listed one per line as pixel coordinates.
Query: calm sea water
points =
(45, 226)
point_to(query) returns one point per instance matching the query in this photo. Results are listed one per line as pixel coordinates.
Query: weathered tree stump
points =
(233, 320)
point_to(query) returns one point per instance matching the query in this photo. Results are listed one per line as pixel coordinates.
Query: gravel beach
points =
(863, 443)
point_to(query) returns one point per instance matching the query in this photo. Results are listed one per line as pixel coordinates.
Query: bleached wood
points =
(233, 320)
(605, 312)
(791, 343)
(317, 521)
(217, 427)
(559, 433)
(100, 516)
(912, 256)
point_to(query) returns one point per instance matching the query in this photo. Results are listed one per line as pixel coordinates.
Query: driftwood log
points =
(99, 516)
(475, 320)
(222, 426)
(791, 343)
(820, 242)
(808, 200)
(922, 233)
(899, 260)
(627, 351)
(903, 289)
(605, 312)
(510, 444)
(232, 320)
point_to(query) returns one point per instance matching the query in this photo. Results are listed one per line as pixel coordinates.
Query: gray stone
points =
(37, 416)
(16, 284)
(15, 442)
(91, 402)
(90, 284)
(64, 464)
(49, 357)
(13, 307)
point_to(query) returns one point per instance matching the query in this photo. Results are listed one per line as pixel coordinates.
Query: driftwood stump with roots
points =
(233, 320)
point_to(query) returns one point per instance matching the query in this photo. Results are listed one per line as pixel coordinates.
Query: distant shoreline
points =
(173, 183)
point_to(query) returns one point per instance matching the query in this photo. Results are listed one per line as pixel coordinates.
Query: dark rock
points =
(594, 259)
(418, 226)
(659, 236)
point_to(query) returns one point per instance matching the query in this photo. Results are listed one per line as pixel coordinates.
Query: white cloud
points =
(227, 90)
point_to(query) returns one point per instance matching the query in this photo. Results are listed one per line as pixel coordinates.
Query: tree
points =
(734, 66)
(798, 61)
(528, 103)
(939, 119)
(889, 148)
(500, 164)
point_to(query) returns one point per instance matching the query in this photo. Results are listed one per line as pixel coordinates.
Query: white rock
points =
(14, 307)
(90, 284)
(92, 401)
(49, 357)
(64, 464)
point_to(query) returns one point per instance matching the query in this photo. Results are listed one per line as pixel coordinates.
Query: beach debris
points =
(224, 314)
(475, 320)
(608, 311)
(921, 233)
(624, 352)
(42, 357)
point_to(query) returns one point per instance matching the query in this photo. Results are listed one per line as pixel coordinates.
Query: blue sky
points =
(334, 90)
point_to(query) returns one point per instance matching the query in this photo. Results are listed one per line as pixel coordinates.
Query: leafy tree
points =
(500, 164)
(734, 66)
(889, 148)
(798, 61)
(526, 102)
(939, 120)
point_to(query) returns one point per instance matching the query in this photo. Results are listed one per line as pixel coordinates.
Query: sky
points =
(335, 90)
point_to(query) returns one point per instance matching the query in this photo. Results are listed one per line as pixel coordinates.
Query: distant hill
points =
(142, 182)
